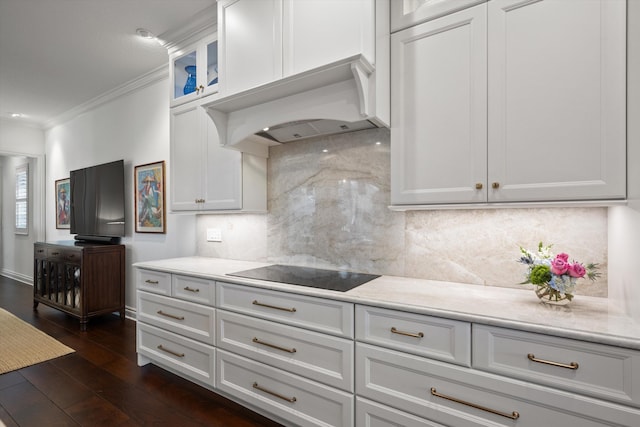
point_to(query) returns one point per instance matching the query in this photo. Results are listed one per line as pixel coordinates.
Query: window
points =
(22, 199)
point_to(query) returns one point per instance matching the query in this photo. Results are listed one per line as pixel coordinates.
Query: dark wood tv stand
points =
(81, 279)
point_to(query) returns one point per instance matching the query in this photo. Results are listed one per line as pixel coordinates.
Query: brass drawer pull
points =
(188, 289)
(277, 347)
(55, 253)
(151, 282)
(166, 350)
(290, 310)
(162, 313)
(273, 393)
(408, 334)
(572, 365)
(514, 415)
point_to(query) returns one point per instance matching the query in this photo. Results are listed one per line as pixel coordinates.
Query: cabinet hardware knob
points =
(277, 347)
(172, 316)
(479, 186)
(273, 393)
(151, 282)
(514, 415)
(55, 253)
(572, 365)
(166, 350)
(408, 334)
(188, 289)
(495, 185)
(291, 310)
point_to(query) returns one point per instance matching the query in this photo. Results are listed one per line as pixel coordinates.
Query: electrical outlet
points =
(214, 235)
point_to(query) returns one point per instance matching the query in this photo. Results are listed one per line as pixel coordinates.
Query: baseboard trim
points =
(17, 276)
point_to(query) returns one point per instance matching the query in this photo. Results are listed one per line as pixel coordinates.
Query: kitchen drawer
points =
(319, 314)
(598, 370)
(194, 289)
(372, 414)
(434, 337)
(154, 281)
(458, 396)
(182, 355)
(317, 356)
(300, 401)
(184, 318)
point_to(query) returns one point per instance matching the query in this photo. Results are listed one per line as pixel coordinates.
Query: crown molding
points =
(200, 25)
(144, 80)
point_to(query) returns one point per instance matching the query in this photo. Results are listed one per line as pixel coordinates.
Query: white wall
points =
(624, 222)
(133, 127)
(20, 144)
(20, 139)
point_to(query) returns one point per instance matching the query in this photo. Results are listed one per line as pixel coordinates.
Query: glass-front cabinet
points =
(194, 71)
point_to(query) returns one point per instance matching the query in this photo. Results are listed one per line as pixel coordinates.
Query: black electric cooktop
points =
(333, 280)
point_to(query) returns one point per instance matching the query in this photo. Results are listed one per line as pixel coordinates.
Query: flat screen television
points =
(97, 202)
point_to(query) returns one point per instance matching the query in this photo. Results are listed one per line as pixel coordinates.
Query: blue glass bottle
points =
(190, 85)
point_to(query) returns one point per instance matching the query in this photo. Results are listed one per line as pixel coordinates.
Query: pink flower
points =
(576, 270)
(559, 266)
(563, 256)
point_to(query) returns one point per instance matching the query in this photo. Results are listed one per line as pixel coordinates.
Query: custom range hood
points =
(340, 97)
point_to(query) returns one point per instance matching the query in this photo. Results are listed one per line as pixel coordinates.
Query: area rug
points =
(23, 345)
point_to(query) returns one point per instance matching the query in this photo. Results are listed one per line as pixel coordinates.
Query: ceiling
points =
(58, 54)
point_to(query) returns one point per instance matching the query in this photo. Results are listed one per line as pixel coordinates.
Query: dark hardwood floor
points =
(100, 384)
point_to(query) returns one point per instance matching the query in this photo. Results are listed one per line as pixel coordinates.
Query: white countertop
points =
(587, 318)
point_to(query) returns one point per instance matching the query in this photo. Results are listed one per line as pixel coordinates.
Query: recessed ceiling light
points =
(145, 34)
(16, 115)
(325, 151)
(265, 129)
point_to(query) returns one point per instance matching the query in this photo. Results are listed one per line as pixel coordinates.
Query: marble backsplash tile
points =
(328, 202)
(328, 207)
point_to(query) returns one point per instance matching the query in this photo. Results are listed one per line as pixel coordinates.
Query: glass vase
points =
(548, 295)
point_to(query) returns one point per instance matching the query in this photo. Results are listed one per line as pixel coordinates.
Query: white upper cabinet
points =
(262, 41)
(319, 32)
(406, 13)
(206, 176)
(557, 71)
(194, 71)
(250, 43)
(535, 115)
(439, 114)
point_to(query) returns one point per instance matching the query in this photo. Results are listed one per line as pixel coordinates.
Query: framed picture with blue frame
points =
(149, 181)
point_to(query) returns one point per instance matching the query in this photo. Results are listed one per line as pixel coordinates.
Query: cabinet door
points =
(208, 65)
(222, 172)
(405, 13)
(439, 118)
(204, 175)
(183, 75)
(250, 43)
(186, 157)
(319, 32)
(557, 100)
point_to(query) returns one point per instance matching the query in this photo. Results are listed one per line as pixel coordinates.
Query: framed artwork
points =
(63, 196)
(149, 197)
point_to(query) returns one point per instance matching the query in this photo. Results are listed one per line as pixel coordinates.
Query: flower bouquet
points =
(553, 275)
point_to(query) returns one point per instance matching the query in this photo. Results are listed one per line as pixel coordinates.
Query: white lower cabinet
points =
(317, 356)
(293, 358)
(182, 355)
(459, 396)
(291, 355)
(295, 399)
(587, 368)
(373, 414)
